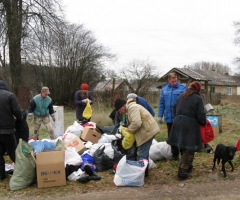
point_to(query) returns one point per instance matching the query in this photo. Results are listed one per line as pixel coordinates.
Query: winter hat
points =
(3, 85)
(119, 103)
(195, 85)
(45, 89)
(84, 86)
(131, 95)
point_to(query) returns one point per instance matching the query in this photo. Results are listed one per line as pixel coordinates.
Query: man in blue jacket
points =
(141, 101)
(168, 97)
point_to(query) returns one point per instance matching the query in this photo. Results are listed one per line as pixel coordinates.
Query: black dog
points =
(226, 154)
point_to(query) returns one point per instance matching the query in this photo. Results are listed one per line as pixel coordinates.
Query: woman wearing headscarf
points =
(81, 97)
(185, 132)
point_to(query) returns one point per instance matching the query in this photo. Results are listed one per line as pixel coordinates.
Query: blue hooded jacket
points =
(143, 102)
(168, 98)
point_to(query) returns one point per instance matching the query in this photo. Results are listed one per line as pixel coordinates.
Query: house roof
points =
(213, 77)
(108, 85)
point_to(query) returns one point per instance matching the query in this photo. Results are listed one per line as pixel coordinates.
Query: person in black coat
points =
(185, 132)
(8, 109)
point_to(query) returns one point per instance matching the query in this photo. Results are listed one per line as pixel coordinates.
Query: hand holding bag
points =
(87, 113)
(207, 133)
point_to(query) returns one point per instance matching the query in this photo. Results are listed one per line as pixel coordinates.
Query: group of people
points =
(40, 110)
(180, 107)
(182, 110)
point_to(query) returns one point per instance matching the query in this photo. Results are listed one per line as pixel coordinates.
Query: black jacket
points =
(189, 115)
(8, 109)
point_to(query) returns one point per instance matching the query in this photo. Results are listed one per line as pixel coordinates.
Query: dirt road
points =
(216, 190)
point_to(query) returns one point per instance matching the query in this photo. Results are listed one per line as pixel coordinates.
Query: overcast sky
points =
(170, 33)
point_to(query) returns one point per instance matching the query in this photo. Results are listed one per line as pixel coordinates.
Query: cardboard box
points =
(77, 143)
(50, 169)
(90, 134)
(215, 130)
(58, 125)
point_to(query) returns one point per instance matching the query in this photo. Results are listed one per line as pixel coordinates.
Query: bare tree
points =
(209, 66)
(237, 42)
(139, 75)
(67, 58)
(20, 19)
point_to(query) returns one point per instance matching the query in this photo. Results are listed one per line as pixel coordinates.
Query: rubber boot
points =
(182, 174)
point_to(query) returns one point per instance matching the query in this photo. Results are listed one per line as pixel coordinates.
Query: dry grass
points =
(164, 173)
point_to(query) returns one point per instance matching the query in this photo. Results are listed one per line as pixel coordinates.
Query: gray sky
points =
(170, 33)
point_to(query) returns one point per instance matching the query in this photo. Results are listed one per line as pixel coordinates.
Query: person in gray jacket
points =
(9, 109)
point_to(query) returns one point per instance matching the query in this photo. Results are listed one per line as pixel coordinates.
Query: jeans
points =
(143, 150)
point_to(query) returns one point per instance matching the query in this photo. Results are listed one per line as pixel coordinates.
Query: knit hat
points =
(3, 85)
(131, 95)
(45, 89)
(84, 86)
(119, 103)
(195, 85)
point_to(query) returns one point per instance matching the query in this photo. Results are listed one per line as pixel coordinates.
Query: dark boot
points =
(183, 174)
(190, 169)
(2, 173)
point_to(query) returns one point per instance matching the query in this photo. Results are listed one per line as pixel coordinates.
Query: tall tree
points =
(21, 18)
(67, 58)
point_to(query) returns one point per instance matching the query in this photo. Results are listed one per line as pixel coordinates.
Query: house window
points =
(229, 91)
(212, 89)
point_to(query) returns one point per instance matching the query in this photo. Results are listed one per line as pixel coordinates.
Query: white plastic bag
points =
(160, 151)
(76, 175)
(72, 157)
(67, 137)
(105, 138)
(75, 129)
(129, 175)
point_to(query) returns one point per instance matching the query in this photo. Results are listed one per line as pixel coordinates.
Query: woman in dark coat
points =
(185, 132)
(80, 99)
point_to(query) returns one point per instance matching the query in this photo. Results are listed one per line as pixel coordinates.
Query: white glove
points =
(84, 101)
(160, 120)
(53, 117)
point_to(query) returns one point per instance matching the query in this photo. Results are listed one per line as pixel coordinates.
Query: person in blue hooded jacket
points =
(141, 101)
(168, 98)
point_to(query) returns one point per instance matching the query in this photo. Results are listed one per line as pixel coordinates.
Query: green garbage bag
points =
(24, 173)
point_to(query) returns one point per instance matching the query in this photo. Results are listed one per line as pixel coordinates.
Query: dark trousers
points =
(186, 164)
(175, 150)
(8, 144)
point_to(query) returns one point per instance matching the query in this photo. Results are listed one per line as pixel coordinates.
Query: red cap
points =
(84, 86)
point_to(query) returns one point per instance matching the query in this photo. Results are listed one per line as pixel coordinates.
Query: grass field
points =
(165, 171)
